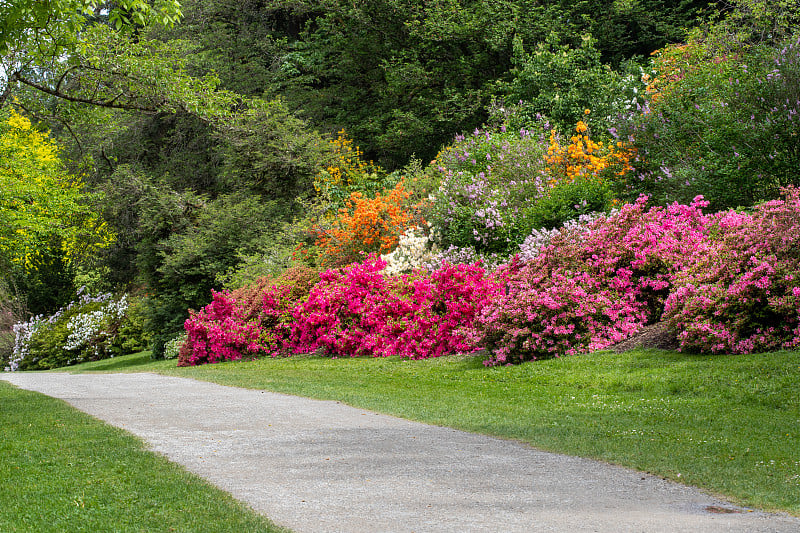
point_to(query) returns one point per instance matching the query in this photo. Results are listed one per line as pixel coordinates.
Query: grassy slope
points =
(729, 424)
(62, 470)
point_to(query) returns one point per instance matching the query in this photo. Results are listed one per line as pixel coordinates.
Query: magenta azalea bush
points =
(221, 331)
(358, 310)
(361, 310)
(742, 294)
(589, 289)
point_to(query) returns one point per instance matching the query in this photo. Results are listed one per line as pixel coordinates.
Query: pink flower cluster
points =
(353, 311)
(220, 331)
(589, 289)
(728, 282)
(742, 294)
(359, 310)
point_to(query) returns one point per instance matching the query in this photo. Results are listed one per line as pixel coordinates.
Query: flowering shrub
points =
(467, 255)
(582, 294)
(487, 179)
(348, 173)
(414, 250)
(221, 331)
(721, 119)
(172, 347)
(360, 310)
(743, 294)
(247, 322)
(442, 311)
(540, 238)
(363, 226)
(345, 312)
(84, 330)
(585, 157)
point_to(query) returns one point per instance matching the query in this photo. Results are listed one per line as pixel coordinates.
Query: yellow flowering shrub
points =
(584, 157)
(347, 173)
(39, 201)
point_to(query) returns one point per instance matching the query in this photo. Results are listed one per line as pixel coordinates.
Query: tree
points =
(34, 34)
(39, 201)
(47, 225)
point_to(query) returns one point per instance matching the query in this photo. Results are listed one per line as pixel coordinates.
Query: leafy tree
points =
(561, 82)
(47, 224)
(39, 201)
(34, 35)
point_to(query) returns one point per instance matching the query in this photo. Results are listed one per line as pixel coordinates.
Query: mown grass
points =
(62, 470)
(728, 424)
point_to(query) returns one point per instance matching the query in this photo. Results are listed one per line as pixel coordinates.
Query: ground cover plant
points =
(725, 423)
(63, 470)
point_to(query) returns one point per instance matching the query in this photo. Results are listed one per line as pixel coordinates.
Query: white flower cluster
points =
(539, 238)
(86, 328)
(173, 347)
(467, 255)
(415, 248)
(23, 331)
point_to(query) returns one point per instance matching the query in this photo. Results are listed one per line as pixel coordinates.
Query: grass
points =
(728, 424)
(62, 470)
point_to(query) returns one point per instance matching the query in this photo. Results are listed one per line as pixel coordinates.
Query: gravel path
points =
(318, 466)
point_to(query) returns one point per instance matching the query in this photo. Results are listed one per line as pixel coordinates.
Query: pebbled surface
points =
(317, 466)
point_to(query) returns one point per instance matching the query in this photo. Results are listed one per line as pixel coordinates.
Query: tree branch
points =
(112, 103)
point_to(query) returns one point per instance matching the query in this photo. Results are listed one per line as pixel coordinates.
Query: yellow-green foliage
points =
(40, 203)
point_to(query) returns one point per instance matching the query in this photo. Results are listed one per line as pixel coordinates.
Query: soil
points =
(652, 336)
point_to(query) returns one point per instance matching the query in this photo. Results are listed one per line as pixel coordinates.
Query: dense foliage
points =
(468, 143)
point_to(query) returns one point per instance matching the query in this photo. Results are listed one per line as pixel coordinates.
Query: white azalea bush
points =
(173, 346)
(416, 249)
(85, 330)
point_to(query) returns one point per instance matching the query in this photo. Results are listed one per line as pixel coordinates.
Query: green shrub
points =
(722, 114)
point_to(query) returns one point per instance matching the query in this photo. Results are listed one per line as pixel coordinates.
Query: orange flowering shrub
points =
(365, 225)
(583, 157)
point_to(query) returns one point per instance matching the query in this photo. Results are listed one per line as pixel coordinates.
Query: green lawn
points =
(62, 470)
(729, 424)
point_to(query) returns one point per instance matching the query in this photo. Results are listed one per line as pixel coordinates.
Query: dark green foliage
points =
(266, 150)
(48, 284)
(402, 76)
(181, 266)
(554, 80)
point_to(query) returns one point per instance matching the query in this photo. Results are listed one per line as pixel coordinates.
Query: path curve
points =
(320, 466)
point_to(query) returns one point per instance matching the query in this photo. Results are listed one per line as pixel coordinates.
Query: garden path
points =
(320, 466)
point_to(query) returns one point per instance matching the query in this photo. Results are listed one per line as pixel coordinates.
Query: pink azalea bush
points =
(742, 294)
(246, 322)
(221, 331)
(589, 289)
(443, 308)
(360, 310)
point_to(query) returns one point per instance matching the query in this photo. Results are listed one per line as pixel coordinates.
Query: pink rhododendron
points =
(587, 290)
(740, 295)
